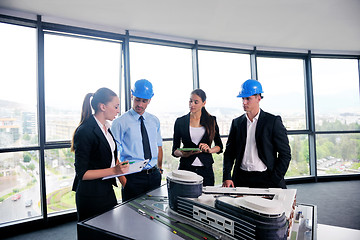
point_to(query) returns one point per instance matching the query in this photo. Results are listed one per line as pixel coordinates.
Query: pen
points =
(124, 163)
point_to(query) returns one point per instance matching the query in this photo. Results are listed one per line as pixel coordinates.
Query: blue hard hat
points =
(143, 89)
(250, 87)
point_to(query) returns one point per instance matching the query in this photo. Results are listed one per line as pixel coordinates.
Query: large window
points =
(299, 165)
(337, 108)
(59, 165)
(283, 85)
(73, 68)
(18, 121)
(221, 75)
(336, 94)
(19, 171)
(338, 153)
(19, 186)
(169, 69)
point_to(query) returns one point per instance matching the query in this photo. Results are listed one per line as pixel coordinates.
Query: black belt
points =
(150, 170)
(253, 172)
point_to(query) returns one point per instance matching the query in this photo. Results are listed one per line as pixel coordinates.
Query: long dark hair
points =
(206, 119)
(102, 95)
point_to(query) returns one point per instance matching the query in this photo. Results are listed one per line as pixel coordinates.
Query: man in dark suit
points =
(258, 144)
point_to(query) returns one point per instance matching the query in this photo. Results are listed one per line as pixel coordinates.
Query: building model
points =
(241, 213)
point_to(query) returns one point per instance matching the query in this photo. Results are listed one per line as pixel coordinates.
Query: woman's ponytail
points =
(86, 112)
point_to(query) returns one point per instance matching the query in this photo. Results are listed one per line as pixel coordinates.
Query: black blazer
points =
(272, 144)
(92, 151)
(182, 134)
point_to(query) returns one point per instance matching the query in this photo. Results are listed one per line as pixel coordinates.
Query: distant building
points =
(9, 129)
(28, 123)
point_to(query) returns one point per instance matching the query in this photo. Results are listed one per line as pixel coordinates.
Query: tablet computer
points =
(189, 149)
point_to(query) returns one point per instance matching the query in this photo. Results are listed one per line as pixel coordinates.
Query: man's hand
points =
(228, 183)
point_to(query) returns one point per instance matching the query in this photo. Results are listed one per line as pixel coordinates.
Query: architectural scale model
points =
(241, 213)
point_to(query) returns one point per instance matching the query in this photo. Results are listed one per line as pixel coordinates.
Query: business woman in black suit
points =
(197, 129)
(267, 147)
(96, 155)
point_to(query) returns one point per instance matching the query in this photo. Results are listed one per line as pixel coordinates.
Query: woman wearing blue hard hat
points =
(257, 143)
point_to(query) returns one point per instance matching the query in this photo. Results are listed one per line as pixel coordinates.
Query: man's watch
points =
(161, 170)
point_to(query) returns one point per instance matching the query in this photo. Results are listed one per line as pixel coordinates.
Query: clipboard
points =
(133, 168)
(189, 149)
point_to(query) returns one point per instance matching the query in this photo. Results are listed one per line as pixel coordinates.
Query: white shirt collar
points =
(256, 117)
(107, 124)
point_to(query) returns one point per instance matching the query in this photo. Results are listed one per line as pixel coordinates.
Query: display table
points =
(326, 232)
(149, 217)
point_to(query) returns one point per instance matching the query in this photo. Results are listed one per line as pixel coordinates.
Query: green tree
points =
(26, 137)
(27, 157)
(31, 167)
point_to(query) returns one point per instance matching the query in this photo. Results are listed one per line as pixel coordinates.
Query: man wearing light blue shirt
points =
(128, 130)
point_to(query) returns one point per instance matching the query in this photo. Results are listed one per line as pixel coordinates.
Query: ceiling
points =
(321, 25)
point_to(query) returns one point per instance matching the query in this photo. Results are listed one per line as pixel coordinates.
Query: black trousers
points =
(206, 172)
(89, 206)
(257, 180)
(140, 183)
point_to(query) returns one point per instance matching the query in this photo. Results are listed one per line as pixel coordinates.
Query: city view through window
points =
(76, 66)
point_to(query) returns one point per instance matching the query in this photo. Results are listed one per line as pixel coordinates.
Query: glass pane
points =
(19, 186)
(169, 69)
(218, 164)
(336, 94)
(221, 75)
(170, 163)
(338, 154)
(73, 68)
(18, 121)
(299, 165)
(283, 86)
(60, 172)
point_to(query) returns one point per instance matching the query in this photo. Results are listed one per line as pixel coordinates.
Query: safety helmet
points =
(250, 87)
(143, 89)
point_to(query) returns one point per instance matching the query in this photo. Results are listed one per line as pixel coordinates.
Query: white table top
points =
(327, 232)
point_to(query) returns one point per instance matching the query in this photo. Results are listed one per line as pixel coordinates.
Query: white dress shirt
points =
(105, 130)
(251, 160)
(196, 134)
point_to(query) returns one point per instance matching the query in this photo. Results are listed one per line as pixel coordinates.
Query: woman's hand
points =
(204, 147)
(122, 180)
(121, 168)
